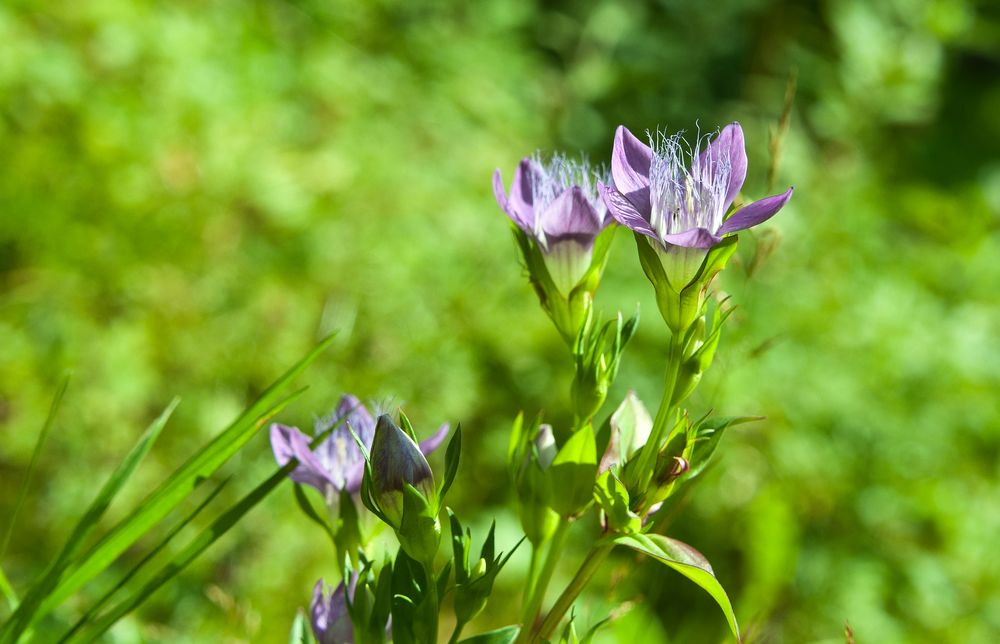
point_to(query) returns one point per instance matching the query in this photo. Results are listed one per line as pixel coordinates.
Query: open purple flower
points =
(337, 463)
(557, 204)
(331, 622)
(679, 196)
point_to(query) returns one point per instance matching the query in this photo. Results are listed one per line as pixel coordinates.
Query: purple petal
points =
(331, 623)
(694, 238)
(623, 211)
(571, 215)
(288, 443)
(521, 195)
(357, 417)
(339, 454)
(630, 161)
(755, 213)
(504, 203)
(353, 477)
(728, 149)
(428, 445)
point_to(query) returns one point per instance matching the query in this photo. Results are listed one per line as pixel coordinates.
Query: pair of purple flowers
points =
(674, 195)
(337, 465)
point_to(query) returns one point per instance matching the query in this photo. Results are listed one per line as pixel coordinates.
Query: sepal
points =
(570, 478)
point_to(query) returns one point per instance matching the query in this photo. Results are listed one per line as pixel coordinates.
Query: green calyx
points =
(680, 288)
(552, 274)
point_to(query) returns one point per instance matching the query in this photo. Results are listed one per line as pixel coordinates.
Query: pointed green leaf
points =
(27, 611)
(307, 508)
(451, 459)
(708, 434)
(192, 551)
(570, 478)
(170, 493)
(100, 603)
(687, 561)
(182, 482)
(8, 591)
(504, 635)
(612, 497)
(35, 456)
(301, 632)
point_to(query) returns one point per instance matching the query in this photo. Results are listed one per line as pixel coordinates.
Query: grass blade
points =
(35, 455)
(205, 539)
(172, 492)
(22, 617)
(182, 482)
(8, 590)
(100, 603)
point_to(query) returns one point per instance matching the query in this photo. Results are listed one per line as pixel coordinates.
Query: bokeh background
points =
(192, 193)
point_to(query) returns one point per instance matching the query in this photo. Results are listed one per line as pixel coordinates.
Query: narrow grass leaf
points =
(100, 603)
(22, 617)
(8, 590)
(35, 455)
(206, 538)
(182, 482)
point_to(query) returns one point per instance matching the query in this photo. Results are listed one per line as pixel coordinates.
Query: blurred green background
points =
(191, 193)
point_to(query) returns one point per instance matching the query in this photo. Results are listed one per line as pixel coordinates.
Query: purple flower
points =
(557, 205)
(337, 463)
(679, 196)
(331, 623)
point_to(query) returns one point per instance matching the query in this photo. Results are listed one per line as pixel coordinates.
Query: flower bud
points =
(396, 461)
(538, 520)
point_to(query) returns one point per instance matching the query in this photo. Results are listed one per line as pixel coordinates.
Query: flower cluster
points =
(679, 201)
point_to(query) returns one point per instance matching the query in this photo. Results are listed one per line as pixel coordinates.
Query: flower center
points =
(687, 186)
(553, 177)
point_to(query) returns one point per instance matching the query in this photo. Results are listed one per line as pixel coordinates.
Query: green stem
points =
(456, 633)
(432, 608)
(587, 569)
(537, 597)
(648, 454)
(532, 577)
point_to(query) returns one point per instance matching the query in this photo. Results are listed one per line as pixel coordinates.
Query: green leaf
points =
(382, 606)
(192, 551)
(504, 635)
(8, 590)
(307, 507)
(451, 459)
(708, 434)
(687, 561)
(35, 455)
(182, 482)
(516, 444)
(610, 494)
(301, 632)
(588, 638)
(27, 610)
(100, 603)
(570, 478)
(634, 424)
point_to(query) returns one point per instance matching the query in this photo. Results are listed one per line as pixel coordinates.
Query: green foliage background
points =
(191, 193)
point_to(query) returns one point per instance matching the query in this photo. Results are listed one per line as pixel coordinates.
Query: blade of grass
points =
(21, 619)
(8, 591)
(183, 481)
(174, 490)
(208, 536)
(205, 539)
(100, 603)
(35, 455)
